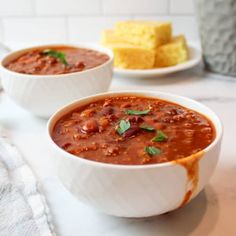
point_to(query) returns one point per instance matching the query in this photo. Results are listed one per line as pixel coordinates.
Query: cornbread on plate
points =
(172, 53)
(109, 37)
(132, 57)
(127, 55)
(148, 34)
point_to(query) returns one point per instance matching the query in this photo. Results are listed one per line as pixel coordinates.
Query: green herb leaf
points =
(152, 150)
(147, 128)
(56, 54)
(161, 136)
(123, 126)
(136, 112)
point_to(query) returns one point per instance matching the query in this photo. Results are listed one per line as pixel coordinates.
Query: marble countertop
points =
(211, 213)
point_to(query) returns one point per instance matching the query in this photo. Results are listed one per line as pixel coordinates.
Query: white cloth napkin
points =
(23, 210)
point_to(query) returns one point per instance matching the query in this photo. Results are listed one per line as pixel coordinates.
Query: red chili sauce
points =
(57, 60)
(133, 130)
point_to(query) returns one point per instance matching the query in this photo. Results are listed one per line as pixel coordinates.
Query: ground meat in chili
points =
(40, 62)
(133, 130)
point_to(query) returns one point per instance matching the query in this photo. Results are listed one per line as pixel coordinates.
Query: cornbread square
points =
(147, 34)
(109, 37)
(128, 56)
(172, 53)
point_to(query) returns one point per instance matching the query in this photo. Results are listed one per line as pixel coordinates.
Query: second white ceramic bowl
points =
(42, 95)
(137, 191)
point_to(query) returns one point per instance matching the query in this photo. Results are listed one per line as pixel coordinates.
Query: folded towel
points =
(23, 210)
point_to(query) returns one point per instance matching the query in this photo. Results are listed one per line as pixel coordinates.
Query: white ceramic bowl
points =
(44, 94)
(136, 190)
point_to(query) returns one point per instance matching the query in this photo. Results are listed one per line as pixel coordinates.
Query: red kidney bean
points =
(107, 111)
(135, 119)
(125, 105)
(90, 126)
(80, 65)
(133, 130)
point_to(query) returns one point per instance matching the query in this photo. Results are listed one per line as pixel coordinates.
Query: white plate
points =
(195, 56)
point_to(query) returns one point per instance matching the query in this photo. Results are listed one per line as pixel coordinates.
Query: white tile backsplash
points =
(16, 7)
(89, 28)
(134, 7)
(186, 25)
(44, 21)
(34, 29)
(67, 7)
(181, 6)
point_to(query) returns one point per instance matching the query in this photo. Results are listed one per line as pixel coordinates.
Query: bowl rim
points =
(145, 93)
(93, 46)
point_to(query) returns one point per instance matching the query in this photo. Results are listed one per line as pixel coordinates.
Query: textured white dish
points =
(195, 57)
(129, 190)
(44, 94)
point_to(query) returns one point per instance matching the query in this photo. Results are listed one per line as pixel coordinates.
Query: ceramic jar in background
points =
(217, 26)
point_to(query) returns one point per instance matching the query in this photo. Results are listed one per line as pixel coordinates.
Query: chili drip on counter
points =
(133, 130)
